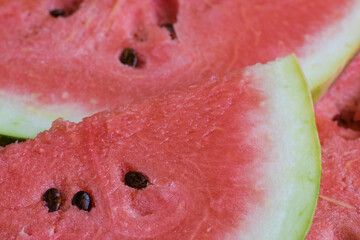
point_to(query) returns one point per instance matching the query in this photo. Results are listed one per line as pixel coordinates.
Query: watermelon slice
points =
(235, 157)
(73, 58)
(337, 215)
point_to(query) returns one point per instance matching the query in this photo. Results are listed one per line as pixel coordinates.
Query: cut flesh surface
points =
(236, 157)
(69, 66)
(338, 119)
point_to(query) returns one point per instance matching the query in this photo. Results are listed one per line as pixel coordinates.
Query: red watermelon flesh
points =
(235, 157)
(69, 66)
(337, 116)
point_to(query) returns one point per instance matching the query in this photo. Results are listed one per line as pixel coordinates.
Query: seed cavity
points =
(166, 11)
(129, 57)
(58, 13)
(170, 29)
(348, 118)
(52, 197)
(140, 36)
(65, 8)
(82, 200)
(136, 180)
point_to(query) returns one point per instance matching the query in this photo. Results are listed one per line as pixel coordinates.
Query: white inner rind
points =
(325, 54)
(23, 117)
(290, 173)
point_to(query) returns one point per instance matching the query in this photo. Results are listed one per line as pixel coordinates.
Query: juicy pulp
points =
(236, 156)
(69, 66)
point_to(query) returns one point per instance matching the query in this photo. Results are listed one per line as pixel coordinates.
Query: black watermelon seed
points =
(58, 13)
(82, 200)
(128, 57)
(136, 180)
(52, 197)
(170, 28)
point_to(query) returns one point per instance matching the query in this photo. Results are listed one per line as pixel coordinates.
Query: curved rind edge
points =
(312, 100)
(325, 56)
(319, 91)
(26, 119)
(291, 103)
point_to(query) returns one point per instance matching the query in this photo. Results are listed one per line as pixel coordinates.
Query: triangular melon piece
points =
(74, 58)
(235, 157)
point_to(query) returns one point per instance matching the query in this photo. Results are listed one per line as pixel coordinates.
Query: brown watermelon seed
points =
(128, 57)
(136, 180)
(58, 13)
(82, 200)
(170, 28)
(52, 197)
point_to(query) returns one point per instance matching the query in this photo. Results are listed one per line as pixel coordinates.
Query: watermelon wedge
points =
(73, 58)
(337, 215)
(236, 157)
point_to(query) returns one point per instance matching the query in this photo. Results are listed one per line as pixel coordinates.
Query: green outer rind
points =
(306, 106)
(320, 90)
(295, 178)
(309, 101)
(23, 118)
(326, 54)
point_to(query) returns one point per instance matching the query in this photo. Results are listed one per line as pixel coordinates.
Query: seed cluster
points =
(53, 200)
(82, 200)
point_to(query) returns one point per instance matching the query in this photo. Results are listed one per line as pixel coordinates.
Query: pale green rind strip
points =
(24, 120)
(327, 53)
(306, 115)
(293, 170)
